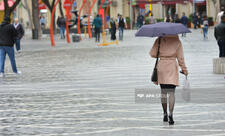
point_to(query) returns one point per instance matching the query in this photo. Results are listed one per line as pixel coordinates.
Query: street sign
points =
(67, 4)
(41, 6)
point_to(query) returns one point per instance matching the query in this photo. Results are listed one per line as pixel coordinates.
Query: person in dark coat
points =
(20, 31)
(113, 29)
(121, 23)
(199, 21)
(98, 24)
(140, 20)
(168, 19)
(61, 22)
(220, 36)
(8, 34)
(184, 21)
(195, 20)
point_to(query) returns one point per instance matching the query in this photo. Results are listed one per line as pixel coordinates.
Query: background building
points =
(128, 8)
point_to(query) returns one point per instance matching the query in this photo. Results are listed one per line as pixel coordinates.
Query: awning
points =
(141, 6)
(10, 3)
(157, 1)
(169, 3)
(200, 2)
(165, 2)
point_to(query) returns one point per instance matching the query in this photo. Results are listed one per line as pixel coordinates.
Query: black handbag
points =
(155, 71)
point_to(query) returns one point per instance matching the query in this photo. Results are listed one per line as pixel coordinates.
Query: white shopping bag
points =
(186, 92)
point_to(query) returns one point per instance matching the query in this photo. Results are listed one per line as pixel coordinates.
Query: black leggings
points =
(168, 89)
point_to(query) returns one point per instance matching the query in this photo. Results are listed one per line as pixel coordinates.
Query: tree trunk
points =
(35, 16)
(60, 9)
(50, 7)
(8, 10)
(54, 23)
(29, 14)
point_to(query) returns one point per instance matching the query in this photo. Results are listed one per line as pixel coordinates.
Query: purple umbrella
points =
(162, 29)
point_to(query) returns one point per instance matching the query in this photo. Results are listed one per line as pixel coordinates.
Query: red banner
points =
(67, 5)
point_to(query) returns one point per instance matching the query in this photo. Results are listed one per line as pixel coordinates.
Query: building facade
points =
(159, 8)
(162, 8)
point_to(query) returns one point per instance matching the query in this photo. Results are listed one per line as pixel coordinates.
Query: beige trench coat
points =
(171, 51)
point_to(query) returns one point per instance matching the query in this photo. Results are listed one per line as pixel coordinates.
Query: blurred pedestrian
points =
(218, 19)
(205, 27)
(176, 18)
(98, 24)
(61, 22)
(195, 20)
(121, 25)
(113, 29)
(152, 19)
(108, 19)
(140, 20)
(168, 19)
(8, 34)
(168, 77)
(184, 21)
(20, 31)
(42, 22)
(118, 16)
(219, 34)
(199, 21)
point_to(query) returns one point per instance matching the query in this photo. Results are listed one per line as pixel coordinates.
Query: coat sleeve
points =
(215, 34)
(22, 30)
(153, 51)
(180, 58)
(14, 33)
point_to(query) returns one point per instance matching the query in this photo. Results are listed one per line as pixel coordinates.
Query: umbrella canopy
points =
(162, 29)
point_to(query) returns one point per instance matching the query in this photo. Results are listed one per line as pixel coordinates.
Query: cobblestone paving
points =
(83, 89)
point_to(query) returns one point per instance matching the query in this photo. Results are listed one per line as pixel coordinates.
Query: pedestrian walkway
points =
(83, 89)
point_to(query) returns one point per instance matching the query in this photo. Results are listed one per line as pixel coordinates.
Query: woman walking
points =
(113, 29)
(170, 52)
(205, 27)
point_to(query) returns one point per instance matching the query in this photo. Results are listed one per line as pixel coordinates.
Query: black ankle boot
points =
(165, 118)
(171, 122)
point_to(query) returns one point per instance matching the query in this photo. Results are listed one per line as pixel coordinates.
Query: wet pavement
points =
(83, 89)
